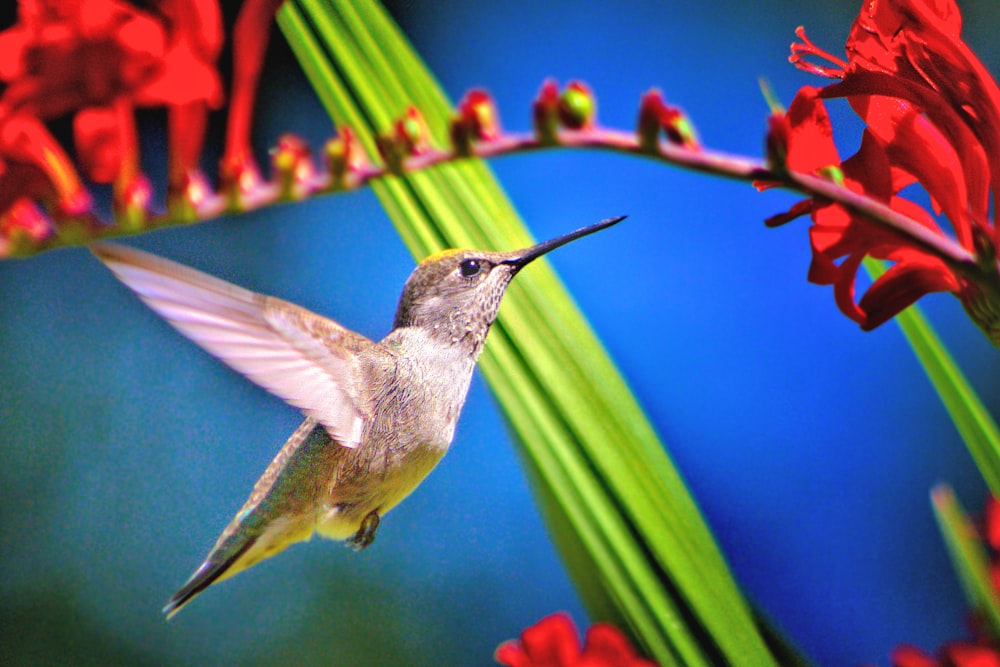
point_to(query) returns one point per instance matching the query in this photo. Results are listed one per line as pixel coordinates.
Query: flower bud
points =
(476, 120)
(131, 203)
(545, 113)
(22, 226)
(293, 166)
(412, 133)
(656, 116)
(238, 179)
(186, 195)
(577, 107)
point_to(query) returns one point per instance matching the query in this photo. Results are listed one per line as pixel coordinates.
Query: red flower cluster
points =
(96, 61)
(554, 642)
(956, 654)
(933, 117)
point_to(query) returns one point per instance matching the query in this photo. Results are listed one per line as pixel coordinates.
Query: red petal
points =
(900, 287)
(607, 646)
(185, 79)
(843, 289)
(921, 46)
(810, 141)
(823, 270)
(98, 143)
(991, 521)
(911, 656)
(510, 653)
(882, 32)
(914, 144)
(202, 26)
(797, 210)
(552, 641)
(962, 654)
(869, 170)
(975, 166)
(13, 42)
(604, 639)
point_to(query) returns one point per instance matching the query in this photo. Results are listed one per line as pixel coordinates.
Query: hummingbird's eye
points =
(470, 267)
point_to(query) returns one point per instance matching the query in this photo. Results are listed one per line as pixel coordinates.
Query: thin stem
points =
(711, 162)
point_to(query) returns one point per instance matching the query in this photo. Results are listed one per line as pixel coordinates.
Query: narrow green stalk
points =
(969, 558)
(631, 535)
(971, 418)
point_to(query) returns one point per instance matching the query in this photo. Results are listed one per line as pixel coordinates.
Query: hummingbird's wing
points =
(295, 354)
(283, 508)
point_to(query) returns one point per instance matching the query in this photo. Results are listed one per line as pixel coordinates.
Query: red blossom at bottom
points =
(982, 649)
(554, 642)
(955, 654)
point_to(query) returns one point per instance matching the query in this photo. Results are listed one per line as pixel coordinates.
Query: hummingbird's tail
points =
(242, 545)
(207, 574)
(280, 512)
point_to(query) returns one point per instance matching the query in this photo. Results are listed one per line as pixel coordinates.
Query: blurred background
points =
(810, 445)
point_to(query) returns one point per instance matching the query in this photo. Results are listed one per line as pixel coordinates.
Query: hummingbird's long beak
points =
(536, 251)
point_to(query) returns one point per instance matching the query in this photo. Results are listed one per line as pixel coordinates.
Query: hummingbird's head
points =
(455, 294)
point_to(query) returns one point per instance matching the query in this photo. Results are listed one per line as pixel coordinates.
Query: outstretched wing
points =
(293, 353)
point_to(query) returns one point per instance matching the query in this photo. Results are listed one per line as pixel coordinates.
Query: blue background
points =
(810, 445)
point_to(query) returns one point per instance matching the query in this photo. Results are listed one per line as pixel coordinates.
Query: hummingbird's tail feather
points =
(281, 510)
(239, 549)
(207, 574)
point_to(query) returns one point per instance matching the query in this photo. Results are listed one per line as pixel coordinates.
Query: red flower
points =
(554, 642)
(97, 60)
(980, 651)
(933, 117)
(34, 167)
(954, 654)
(64, 56)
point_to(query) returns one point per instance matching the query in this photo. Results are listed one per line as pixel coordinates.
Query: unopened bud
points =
(577, 107)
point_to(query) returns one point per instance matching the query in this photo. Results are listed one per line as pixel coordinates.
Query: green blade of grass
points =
(974, 423)
(631, 535)
(968, 557)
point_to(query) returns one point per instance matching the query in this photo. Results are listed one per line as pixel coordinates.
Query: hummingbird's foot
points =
(366, 533)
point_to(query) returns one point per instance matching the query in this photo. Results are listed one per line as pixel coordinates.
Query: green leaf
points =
(632, 537)
(968, 556)
(974, 423)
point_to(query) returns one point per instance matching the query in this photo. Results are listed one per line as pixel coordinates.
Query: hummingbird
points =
(379, 416)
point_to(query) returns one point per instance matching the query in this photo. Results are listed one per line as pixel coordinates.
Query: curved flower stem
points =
(950, 252)
(79, 231)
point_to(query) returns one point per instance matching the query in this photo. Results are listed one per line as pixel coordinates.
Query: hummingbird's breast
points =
(420, 390)
(414, 389)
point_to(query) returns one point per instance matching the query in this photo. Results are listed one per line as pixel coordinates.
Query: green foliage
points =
(968, 557)
(971, 418)
(630, 533)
